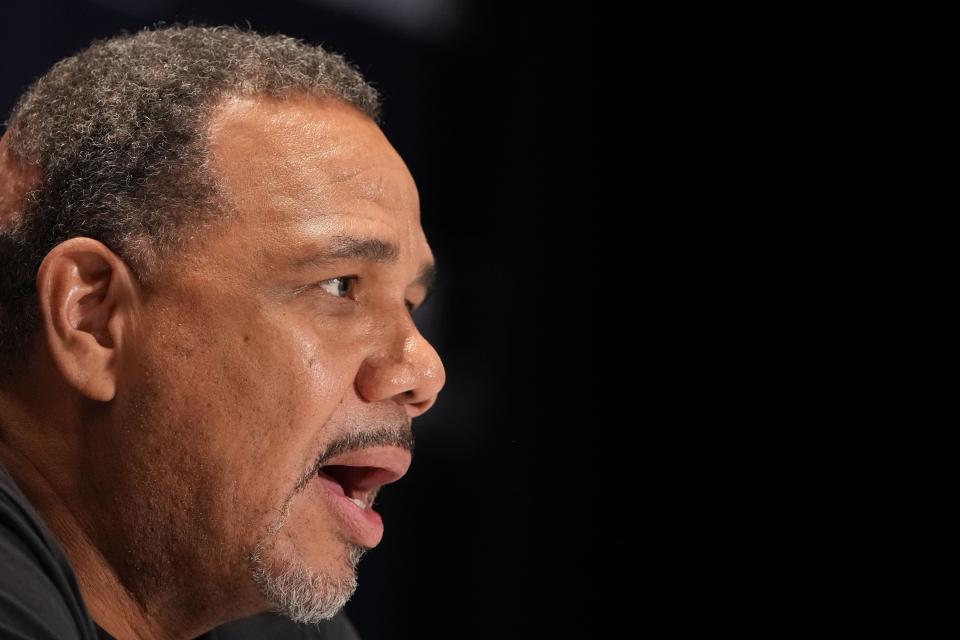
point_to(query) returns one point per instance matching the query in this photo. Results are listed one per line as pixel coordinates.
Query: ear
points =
(86, 294)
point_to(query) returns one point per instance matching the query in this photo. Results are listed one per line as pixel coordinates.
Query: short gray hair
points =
(118, 136)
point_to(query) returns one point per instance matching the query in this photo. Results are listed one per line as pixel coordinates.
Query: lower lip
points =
(365, 525)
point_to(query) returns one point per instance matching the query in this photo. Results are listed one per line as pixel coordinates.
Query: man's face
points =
(252, 360)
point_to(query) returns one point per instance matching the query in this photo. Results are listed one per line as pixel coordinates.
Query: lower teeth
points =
(359, 503)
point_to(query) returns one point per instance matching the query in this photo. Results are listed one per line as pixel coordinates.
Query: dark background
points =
(482, 536)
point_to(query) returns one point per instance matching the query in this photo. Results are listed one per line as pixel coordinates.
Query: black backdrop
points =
(480, 536)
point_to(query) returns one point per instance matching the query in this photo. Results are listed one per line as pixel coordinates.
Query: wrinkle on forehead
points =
(17, 178)
(304, 157)
(298, 171)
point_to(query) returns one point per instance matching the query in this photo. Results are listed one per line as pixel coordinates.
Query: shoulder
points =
(273, 625)
(39, 596)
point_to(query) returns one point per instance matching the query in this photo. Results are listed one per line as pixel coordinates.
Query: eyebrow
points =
(375, 250)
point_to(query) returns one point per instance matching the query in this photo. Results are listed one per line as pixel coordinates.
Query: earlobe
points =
(84, 294)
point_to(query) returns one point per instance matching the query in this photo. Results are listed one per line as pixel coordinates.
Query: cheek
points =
(284, 386)
(322, 358)
(255, 395)
(305, 383)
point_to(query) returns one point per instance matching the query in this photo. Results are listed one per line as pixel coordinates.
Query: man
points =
(209, 257)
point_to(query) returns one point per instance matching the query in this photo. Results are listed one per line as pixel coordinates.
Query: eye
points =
(335, 285)
(340, 284)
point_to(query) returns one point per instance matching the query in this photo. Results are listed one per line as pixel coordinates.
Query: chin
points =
(298, 590)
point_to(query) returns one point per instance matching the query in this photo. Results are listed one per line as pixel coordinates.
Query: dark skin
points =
(159, 432)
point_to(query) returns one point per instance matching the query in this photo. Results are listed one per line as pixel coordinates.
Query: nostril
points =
(421, 407)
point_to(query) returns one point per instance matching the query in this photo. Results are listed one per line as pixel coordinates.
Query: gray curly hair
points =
(112, 144)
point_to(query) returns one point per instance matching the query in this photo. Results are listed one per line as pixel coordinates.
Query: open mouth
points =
(351, 481)
(358, 484)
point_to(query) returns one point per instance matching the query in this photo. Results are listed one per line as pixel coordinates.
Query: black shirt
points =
(40, 600)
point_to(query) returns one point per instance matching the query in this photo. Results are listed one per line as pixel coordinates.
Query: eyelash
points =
(356, 279)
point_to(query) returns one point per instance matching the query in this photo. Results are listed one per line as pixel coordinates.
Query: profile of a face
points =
(281, 342)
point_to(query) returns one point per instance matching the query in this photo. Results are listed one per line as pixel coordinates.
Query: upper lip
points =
(369, 468)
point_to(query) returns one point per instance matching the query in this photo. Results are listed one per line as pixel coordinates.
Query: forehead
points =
(302, 168)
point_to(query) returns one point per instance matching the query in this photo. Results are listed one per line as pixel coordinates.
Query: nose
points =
(406, 369)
